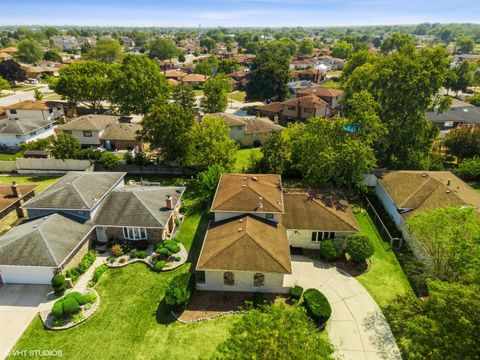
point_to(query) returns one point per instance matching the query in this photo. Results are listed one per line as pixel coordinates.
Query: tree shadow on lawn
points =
(198, 241)
(163, 314)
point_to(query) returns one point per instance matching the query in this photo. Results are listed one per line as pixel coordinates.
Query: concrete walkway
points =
(357, 329)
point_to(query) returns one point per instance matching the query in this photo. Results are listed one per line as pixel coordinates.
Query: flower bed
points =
(71, 315)
(156, 261)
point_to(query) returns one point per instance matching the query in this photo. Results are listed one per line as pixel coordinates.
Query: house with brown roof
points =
(330, 95)
(249, 131)
(194, 79)
(256, 221)
(88, 128)
(297, 109)
(405, 193)
(13, 196)
(121, 136)
(313, 75)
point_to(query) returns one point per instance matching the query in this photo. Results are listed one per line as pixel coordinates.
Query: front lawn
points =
(237, 96)
(42, 181)
(386, 278)
(10, 157)
(332, 84)
(131, 323)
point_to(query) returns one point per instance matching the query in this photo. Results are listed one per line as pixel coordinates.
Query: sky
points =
(262, 13)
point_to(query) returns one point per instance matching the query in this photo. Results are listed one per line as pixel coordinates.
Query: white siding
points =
(84, 140)
(12, 140)
(303, 238)
(243, 282)
(237, 132)
(26, 274)
(389, 205)
(36, 114)
(219, 216)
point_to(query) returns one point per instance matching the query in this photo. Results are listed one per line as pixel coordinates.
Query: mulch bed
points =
(205, 305)
(350, 267)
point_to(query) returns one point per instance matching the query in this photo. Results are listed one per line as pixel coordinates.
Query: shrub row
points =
(97, 274)
(70, 303)
(167, 248)
(83, 266)
(138, 254)
(330, 250)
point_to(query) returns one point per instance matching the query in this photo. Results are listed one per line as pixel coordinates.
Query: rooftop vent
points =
(241, 220)
(254, 178)
(424, 174)
(448, 191)
(239, 229)
(35, 226)
(244, 186)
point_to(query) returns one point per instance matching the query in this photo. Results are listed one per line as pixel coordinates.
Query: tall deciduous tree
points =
(52, 55)
(465, 44)
(211, 144)
(163, 49)
(106, 50)
(460, 78)
(398, 42)
(449, 237)
(275, 154)
(342, 50)
(404, 85)
(29, 51)
(463, 142)
(208, 181)
(215, 94)
(167, 127)
(270, 73)
(278, 332)
(11, 71)
(86, 81)
(184, 95)
(306, 46)
(65, 146)
(138, 85)
(4, 85)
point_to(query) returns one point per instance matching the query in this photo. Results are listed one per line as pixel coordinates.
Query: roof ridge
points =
(214, 255)
(429, 178)
(79, 193)
(38, 229)
(331, 212)
(263, 248)
(143, 204)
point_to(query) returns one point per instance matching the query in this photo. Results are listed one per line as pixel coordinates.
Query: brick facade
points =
(75, 259)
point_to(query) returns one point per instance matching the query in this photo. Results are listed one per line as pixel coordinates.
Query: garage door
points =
(26, 275)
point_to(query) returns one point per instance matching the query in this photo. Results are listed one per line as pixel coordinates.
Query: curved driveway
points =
(357, 329)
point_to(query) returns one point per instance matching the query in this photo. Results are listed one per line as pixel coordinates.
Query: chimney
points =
(16, 190)
(169, 202)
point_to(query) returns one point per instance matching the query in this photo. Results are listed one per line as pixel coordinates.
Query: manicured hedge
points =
(317, 305)
(70, 303)
(59, 284)
(97, 274)
(329, 250)
(83, 266)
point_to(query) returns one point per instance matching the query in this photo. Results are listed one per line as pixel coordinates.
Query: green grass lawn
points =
(52, 96)
(386, 278)
(42, 181)
(24, 87)
(131, 323)
(237, 96)
(242, 159)
(332, 84)
(10, 157)
(198, 92)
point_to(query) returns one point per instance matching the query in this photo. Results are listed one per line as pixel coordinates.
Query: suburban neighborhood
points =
(197, 181)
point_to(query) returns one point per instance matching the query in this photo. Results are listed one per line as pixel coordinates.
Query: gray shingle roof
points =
(76, 191)
(468, 114)
(22, 126)
(143, 206)
(92, 122)
(42, 242)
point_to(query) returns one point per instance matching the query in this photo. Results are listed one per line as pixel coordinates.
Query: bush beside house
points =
(359, 247)
(178, 291)
(317, 305)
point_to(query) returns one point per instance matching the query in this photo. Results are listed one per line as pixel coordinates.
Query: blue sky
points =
(236, 12)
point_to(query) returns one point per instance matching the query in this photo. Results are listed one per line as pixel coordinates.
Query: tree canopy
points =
(11, 71)
(65, 146)
(184, 95)
(215, 92)
(463, 142)
(163, 49)
(106, 50)
(29, 51)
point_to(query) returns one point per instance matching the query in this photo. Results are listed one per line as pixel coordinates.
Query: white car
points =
(31, 81)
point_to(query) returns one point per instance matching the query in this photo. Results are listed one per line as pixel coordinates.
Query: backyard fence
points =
(44, 166)
(149, 169)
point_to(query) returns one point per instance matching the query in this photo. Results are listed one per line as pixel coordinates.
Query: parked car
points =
(31, 81)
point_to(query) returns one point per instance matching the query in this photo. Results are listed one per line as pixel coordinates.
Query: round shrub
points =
(91, 297)
(359, 247)
(59, 284)
(329, 250)
(81, 299)
(164, 251)
(142, 254)
(159, 265)
(171, 245)
(57, 309)
(296, 292)
(317, 305)
(117, 250)
(70, 305)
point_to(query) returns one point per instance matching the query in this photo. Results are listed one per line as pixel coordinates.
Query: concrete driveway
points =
(18, 306)
(357, 329)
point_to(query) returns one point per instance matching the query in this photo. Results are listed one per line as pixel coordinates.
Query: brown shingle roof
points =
(174, 74)
(121, 131)
(6, 194)
(274, 107)
(249, 193)
(89, 122)
(311, 101)
(320, 91)
(194, 78)
(260, 125)
(230, 119)
(29, 105)
(317, 210)
(246, 243)
(427, 190)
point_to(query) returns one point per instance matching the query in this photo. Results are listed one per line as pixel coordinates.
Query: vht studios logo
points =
(37, 352)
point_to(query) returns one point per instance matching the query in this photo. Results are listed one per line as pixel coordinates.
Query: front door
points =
(101, 235)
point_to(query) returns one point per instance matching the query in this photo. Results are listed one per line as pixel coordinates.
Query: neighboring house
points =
(330, 95)
(302, 62)
(460, 114)
(121, 136)
(126, 41)
(65, 42)
(5, 56)
(247, 244)
(13, 196)
(194, 79)
(404, 193)
(244, 59)
(313, 75)
(249, 131)
(78, 209)
(297, 109)
(175, 74)
(88, 128)
(27, 121)
(35, 72)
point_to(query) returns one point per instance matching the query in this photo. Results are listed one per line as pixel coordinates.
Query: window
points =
(258, 280)
(268, 216)
(50, 110)
(308, 110)
(240, 127)
(134, 233)
(48, 127)
(200, 277)
(228, 278)
(33, 133)
(18, 136)
(320, 235)
(13, 111)
(87, 133)
(290, 107)
(80, 212)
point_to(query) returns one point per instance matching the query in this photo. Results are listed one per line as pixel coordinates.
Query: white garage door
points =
(26, 275)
